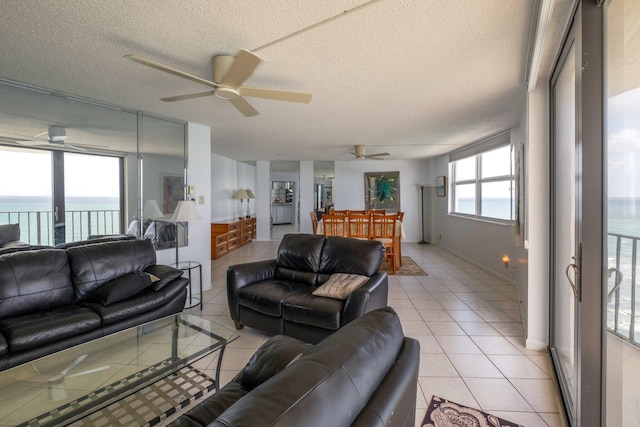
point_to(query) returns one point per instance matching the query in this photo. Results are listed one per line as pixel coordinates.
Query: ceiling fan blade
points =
(370, 156)
(170, 70)
(242, 68)
(74, 147)
(244, 107)
(189, 96)
(278, 95)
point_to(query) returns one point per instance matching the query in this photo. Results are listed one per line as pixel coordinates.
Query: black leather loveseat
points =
(51, 299)
(276, 296)
(363, 375)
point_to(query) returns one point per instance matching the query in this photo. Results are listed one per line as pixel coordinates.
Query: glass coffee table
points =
(68, 385)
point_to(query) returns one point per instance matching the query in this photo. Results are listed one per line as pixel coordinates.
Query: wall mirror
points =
(323, 172)
(73, 170)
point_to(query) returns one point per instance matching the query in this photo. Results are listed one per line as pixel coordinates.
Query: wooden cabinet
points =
(229, 235)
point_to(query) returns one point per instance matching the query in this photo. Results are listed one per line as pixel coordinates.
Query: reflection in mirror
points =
(323, 172)
(162, 162)
(82, 162)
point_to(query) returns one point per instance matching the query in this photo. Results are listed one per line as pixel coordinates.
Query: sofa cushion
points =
(93, 265)
(266, 297)
(331, 383)
(9, 233)
(207, 411)
(272, 357)
(340, 285)
(298, 257)
(308, 309)
(34, 281)
(133, 306)
(31, 330)
(165, 273)
(353, 256)
(123, 287)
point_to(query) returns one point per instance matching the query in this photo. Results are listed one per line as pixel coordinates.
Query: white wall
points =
(199, 176)
(348, 188)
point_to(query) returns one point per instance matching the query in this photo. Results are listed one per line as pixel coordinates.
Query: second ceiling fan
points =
(229, 72)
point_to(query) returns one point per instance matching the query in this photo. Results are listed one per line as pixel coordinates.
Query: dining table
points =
(400, 235)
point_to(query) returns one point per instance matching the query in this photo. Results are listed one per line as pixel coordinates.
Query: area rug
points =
(156, 403)
(408, 268)
(444, 413)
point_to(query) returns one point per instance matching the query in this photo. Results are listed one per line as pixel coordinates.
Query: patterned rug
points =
(443, 413)
(408, 268)
(154, 404)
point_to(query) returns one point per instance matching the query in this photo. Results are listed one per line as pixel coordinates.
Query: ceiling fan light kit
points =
(229, 72)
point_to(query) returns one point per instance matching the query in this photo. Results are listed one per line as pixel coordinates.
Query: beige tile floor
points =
(469, 328)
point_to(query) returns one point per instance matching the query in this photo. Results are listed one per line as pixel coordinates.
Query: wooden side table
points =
(188, 266)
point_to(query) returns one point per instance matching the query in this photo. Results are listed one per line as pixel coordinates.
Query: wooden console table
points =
(228, 235)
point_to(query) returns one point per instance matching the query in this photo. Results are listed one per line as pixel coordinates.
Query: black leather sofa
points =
(276, 296)
(363, 375)
(53, 298)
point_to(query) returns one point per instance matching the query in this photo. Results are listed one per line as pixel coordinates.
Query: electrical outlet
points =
(201, 200)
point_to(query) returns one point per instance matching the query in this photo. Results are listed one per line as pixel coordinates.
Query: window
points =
(482, 182)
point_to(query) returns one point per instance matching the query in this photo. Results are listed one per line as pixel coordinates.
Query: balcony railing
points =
(622, 313)
(36, 227)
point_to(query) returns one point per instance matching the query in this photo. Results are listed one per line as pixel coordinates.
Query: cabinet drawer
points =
(234, 234)
(221, 238)
(234, 226)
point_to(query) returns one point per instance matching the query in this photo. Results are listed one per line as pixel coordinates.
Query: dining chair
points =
(314, 222)
(400, 216)
(359, 226)
(339, 212)
(377, 212)
(384, 230)
(334, 225)
(351, 212)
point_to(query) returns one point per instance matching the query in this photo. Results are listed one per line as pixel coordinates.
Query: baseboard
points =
(535, 345)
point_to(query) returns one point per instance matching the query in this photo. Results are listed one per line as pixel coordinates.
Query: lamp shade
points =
(151, 210)
(241, 194)
(185, 211)
(250, 194)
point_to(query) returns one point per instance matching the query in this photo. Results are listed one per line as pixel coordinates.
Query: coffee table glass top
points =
(70, 384)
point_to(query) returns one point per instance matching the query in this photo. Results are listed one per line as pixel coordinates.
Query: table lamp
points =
(185, 211)
(241, 194)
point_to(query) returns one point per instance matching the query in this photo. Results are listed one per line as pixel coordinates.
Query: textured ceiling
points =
(415, 78)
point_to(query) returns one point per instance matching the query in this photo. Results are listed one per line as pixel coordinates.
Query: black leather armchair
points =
(364, 375)
(276, 296)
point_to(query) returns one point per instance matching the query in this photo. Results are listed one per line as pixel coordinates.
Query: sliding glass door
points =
(576, 218)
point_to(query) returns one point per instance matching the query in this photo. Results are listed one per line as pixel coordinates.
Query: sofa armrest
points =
(370, 296)
(240, 275)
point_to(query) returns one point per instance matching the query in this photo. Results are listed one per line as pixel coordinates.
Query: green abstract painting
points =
(382, 190)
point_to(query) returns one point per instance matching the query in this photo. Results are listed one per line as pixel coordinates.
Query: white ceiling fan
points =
(229, 72)
(56, 137)
(360, 154)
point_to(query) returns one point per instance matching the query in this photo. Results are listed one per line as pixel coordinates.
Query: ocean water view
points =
(84, 216)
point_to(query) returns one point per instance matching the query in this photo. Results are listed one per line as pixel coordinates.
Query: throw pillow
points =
(272, 357)
(165, 275)
(122, 287)
(340, 285)
(9, 233)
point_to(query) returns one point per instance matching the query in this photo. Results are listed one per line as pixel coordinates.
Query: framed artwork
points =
(441, 186)
(172, 192)
(382, 190)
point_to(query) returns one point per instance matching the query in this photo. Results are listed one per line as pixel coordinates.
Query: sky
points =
(29, 173)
